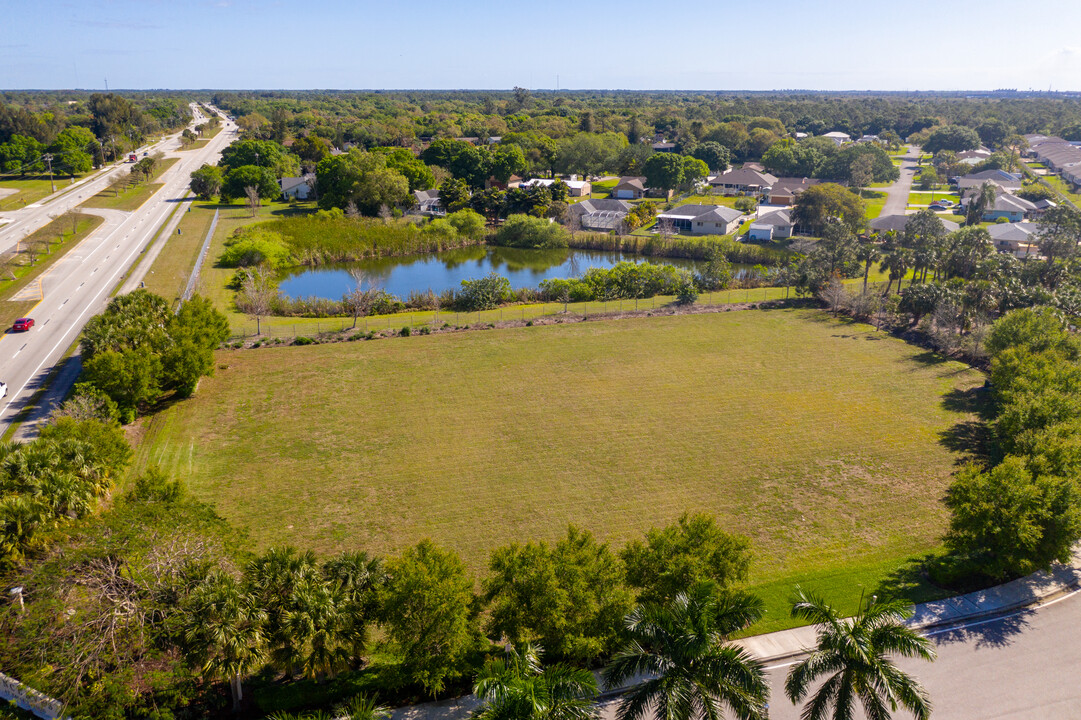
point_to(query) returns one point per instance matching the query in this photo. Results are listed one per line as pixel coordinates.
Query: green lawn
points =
(30, 190)
(726, 200)
(823, 441)
(169, 274)
(120, 196)
(1062, 187)
(874, 201)
(924, 197)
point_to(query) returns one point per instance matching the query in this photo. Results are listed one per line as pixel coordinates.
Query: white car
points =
(3, 389)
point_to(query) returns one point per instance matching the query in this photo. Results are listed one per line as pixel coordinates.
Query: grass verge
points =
(121, 196)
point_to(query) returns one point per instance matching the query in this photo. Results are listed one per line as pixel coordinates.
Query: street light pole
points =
(49, 162)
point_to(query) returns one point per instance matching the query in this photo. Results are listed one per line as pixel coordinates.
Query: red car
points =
(22, 324)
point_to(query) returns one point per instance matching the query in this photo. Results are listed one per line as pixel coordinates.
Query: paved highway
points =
(17, 224)
(79, 284)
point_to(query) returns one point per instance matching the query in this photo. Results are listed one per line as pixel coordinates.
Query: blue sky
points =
(711, 45)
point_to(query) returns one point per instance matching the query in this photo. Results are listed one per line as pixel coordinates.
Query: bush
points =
(483, 294)
(253, 246)
(686, 290)
(405, 331)
(302, 340)
(524, 231)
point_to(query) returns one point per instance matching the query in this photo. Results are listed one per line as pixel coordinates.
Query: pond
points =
(525, 268)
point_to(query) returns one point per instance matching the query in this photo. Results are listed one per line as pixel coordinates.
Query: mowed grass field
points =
(820, 440)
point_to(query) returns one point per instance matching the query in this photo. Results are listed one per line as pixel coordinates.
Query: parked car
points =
(946, 203)
(22, 324)
(3, 389)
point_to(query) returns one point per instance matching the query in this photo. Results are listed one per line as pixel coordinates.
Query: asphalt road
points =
(897, 193)
(1024, 666)
(17, 224)
(79, 284)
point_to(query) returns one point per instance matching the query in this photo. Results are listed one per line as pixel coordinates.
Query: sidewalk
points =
(790, 644)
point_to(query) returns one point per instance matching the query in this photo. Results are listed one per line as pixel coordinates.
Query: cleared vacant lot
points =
(824, 442)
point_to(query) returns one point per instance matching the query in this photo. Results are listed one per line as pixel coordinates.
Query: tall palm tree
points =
(680, 646)
(517, 687)
(314, 623)
(867, 252)
(224, 631)
(853, 653)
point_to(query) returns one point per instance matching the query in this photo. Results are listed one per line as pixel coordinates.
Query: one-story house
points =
(1005, 180)
(785, 190)
(298, 188)
(838, 137)
(777, 224)
(1006, 205)
(630, 188)
(602, 215)
(743, 182)
(666, 147)
(427, 202)
(703, 219)
(897, 223)
(1018, 239)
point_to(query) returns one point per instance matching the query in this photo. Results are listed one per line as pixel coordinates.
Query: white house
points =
(298, 188)
(838, 137)
(702, 219)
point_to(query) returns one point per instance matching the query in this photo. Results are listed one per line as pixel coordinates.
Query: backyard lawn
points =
(825, 442)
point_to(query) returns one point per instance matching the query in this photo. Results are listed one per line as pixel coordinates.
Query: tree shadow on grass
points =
(972, 439)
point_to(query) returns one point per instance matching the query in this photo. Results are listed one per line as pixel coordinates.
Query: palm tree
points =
(517, 687)
(680, 646)
(224, 631)
(866, 253)
(314, 625)
(361, 707)
(853, 654)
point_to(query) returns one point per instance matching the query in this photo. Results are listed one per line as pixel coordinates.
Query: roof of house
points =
(288, 183)
(637, 183)
(743, 176)
(792, 186)
(702, 213)
(1013, 232)
(1044, 204)
(426, 195)
(588, 207)
(897, 223)
(753, 166)
(777, 218)
(664, 146)
(1005, 202)
(838, 134)
(996, 175)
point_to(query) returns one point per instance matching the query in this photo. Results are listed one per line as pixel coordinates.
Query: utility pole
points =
(49, 162)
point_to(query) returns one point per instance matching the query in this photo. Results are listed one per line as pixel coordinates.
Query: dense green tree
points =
(1059, 233)
(361, 178)
(207, 181)
(689, 551)
(260, 153)
(664, 171)
(818, 203)
(853, 654)
(310, 148)
(73, 151)
(1010, 522)
(993, 132)
(589, 153)
(951, 137)
(690, 671)
(238, 180)
(419, 176)
(507, 160)
(21, 155)
(839, 166)
(716, 156)
(570, 598)
(428, 612)
(454, 194)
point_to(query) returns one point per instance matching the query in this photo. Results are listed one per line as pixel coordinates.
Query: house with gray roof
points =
(298, 188)
(743, 182)
(702, 219)
(777, 224)
(898, 223)
(426, 202)
(629, 188)
(600, 215)
(1018, 239)
(784, 190)
(1006, 205)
